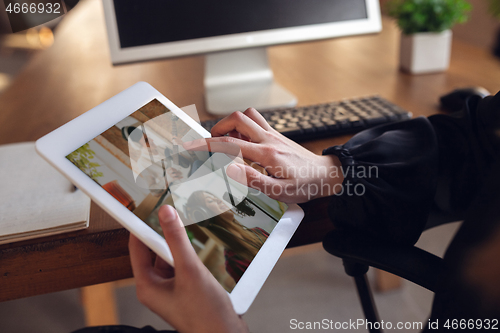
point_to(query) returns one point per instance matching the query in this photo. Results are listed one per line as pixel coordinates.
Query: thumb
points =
(176, 237)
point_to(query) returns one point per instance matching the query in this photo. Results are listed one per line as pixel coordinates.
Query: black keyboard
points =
(330, 119)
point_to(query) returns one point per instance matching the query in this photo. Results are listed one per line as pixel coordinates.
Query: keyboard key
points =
(392, 117)
(279, 127)
(344, 123)
(373, 120)
(321, 129)
(309, 130)
(290, 131)
(333, 127)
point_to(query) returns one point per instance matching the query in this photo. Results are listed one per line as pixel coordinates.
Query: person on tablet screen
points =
(390, 204)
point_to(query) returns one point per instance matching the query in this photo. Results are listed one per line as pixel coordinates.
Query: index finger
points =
(240, 123)
(257, 117)
(234, 148)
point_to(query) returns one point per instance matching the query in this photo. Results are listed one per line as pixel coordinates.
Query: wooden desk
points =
(75, 75)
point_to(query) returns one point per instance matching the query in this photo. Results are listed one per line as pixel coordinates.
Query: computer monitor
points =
(234, 36)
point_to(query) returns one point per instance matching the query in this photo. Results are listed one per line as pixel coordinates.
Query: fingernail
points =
(167, 213)
(235, 171)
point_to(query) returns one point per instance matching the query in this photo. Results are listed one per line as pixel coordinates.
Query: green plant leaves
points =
(428, 15)
(81, 157)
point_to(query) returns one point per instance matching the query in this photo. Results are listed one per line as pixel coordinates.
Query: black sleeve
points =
(390, 174)
(468, 144)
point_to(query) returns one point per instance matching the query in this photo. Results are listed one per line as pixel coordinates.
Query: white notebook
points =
(35, 199)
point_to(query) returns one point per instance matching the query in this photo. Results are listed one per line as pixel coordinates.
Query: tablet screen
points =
(141, 162)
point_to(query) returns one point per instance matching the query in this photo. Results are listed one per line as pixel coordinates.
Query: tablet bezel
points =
(55, 146)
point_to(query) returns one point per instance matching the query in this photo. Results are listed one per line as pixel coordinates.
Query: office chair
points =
(359, 251)
(465, 157)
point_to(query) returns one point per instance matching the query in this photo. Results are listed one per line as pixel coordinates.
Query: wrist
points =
(329, 176)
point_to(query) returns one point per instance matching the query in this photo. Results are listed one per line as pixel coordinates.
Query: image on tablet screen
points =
(141, 162)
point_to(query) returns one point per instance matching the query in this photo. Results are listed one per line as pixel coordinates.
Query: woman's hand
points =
(188, 297)
(295, 174)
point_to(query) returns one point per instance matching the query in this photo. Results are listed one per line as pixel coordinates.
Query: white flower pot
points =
(425, 52)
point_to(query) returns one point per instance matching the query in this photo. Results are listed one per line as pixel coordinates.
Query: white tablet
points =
(127, 155)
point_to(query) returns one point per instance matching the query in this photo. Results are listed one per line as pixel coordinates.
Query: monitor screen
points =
(151, 29)
(152, 22)
(234, 36)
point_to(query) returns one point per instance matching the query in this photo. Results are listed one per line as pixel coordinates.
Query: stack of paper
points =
(35, 199)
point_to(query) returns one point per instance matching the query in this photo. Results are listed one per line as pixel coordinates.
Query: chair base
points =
(358, 272)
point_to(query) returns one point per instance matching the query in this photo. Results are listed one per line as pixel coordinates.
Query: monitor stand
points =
(236, 80)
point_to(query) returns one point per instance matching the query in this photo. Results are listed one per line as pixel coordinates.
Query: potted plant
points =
(426, 35)
(494, 8)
